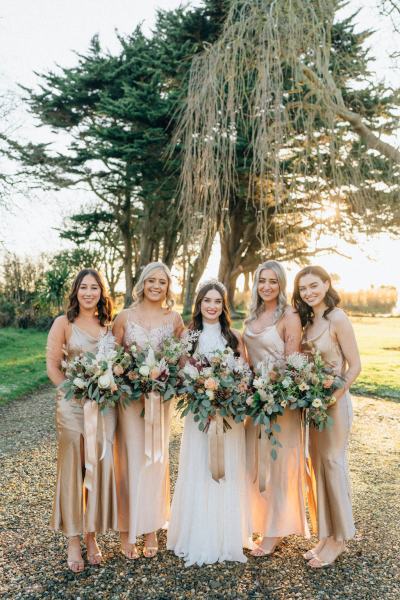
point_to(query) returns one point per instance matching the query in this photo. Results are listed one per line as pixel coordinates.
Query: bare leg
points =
(267, 546)
(314, 551)
(93, 551)
(127, 549)
(329, 553)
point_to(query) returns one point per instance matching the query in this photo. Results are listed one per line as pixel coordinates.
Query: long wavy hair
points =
(331, 299)
(104, 306)
(138, 290)
(224, 318)
(257, 303)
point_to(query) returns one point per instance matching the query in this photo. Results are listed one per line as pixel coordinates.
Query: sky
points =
(37, 35)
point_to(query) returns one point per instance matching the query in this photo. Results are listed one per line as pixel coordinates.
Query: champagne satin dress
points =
(329, 484)
(77, 510)
(283, 511)
(143, 490)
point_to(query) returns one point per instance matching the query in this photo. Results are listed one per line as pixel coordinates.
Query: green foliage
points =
(22, 362)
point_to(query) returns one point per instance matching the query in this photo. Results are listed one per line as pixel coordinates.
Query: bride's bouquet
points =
(157, 370)
(216, 385)
(101, 377)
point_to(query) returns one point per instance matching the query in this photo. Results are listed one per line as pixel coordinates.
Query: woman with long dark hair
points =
(80, 507)
(328, 330)
(210, 519)
(272, 332)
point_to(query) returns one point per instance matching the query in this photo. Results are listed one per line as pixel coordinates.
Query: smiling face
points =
(156, 286)
(268, 285)
(211, 306)
(89, 293)
(312, 289)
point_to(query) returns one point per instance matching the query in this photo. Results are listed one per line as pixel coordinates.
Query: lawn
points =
(22, 362)
(22, 359)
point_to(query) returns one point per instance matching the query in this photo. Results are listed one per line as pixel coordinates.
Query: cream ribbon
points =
(306, 441)
(262, 462)
(216, 457)
(153, 428)
(90, 425)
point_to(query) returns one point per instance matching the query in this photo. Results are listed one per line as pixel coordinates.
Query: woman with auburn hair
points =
(78, 510)
(273, 331)
(328, 330)
(210, 520)
(143, 484)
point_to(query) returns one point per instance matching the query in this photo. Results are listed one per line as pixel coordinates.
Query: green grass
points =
(379, 342)
(23, 369)
(22, 362)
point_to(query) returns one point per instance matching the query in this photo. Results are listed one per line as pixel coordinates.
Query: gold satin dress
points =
(329, 483)
(143, 489)
(282, 509)
(77, 510)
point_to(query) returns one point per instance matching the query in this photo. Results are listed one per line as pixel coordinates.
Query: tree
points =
(273, 114)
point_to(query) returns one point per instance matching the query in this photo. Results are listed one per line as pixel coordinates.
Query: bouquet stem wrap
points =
(216, 457)
(262, 462)
(90, 425)
(153, 428)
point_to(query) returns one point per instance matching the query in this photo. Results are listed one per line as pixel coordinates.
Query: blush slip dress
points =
(77, 510)
(282, 511)
(329, 484)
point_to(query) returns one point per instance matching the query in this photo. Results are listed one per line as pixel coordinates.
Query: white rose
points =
(249, 400)
(210, 394)
(191, 371)
(258, 383)
(144, 370)
(79, 383)
(317, 403)
(105, 381)
(284, 403)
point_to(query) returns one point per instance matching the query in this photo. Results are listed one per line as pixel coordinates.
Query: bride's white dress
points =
(210, 522)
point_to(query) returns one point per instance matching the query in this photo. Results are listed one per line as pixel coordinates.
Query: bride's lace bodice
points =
(141, 336)
(211, 339)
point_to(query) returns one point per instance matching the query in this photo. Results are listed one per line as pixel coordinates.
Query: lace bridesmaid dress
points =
(77, 510)
(210, 521)
(283, 511)
(329, 490)
(143, 490)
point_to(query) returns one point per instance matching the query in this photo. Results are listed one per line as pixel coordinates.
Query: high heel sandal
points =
(75, 566)
(94, 558)
(259, 551)
(131, 556)
(150, 551)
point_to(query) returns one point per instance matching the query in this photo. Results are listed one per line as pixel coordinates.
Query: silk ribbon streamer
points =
(90, 425)
(153, 428)
(216, 457)
(307, 441)
(263, 461)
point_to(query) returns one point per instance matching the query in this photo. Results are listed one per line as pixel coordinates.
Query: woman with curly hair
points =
(328, 330)
(85, 500)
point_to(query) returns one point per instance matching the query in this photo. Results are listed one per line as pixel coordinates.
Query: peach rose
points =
(118, 370)
(154, 373)
(210, 384)
(328, 382)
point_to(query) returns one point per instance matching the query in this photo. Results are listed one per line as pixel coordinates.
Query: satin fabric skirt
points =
(77, 510)
(210, 521)
(280, 510)
(143, 490)
(329, 488)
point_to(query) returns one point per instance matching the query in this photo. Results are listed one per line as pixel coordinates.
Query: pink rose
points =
(155, 373)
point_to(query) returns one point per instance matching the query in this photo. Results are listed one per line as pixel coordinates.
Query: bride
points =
(210, 520)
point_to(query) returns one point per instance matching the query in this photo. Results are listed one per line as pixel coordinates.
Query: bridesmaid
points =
(143, 489)
(329, 330)
(273, 331)
(78, 510)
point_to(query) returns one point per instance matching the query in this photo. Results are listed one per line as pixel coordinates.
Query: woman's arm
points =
(119, 328)
(179, 325)
(241, 349)
(56, 341)
(344, 332)
(292, 332)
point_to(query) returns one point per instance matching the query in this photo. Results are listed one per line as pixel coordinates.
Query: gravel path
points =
(32, 558)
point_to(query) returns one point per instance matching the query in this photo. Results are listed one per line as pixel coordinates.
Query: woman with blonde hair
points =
(273, 331)
(329, 330)
(143, 484)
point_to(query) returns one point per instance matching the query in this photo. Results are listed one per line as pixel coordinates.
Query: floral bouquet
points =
(316, 382)
(157, 371)
(101, 377)
(218, 385)
(266, 403)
